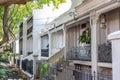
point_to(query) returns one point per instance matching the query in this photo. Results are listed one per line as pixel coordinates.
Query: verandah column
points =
(35, 59)
(21, 58)
(50, 42)
(24, 47)
(94, 42)
(65, 42)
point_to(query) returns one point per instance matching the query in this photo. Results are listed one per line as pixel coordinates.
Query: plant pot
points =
(84, 44)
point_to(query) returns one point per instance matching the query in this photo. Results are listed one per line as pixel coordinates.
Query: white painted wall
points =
(115, 39)
(30, 44)
(33, 44)
(16, 46)
(57, 41)
(37, 27)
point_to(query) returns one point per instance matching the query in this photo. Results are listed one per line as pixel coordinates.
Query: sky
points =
(48, 13)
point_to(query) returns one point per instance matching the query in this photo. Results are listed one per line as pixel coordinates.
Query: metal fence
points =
(105, 53)
(79, 53)
(67, 73)
(44, 52)
(103, 76)
(27, 66)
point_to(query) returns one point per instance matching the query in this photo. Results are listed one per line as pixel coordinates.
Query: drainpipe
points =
(115, 40)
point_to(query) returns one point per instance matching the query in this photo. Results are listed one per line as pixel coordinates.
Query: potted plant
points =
(85, 38)
(84, 41)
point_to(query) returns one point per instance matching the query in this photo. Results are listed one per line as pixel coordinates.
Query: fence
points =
(79, 53)
(103, 76)
(44, 52)
(105, 53)
(67, 73)
(27, 66)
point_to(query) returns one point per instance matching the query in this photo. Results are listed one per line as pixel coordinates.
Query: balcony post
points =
(21, 58)
(94, 41)
(35, 59)
(65, 42)
(115, 39)
(50, 41)
(24, 47)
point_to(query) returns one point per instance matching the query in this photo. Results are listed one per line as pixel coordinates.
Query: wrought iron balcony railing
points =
(79, 53)
(104, 53)
(44, 52)
(27, 66)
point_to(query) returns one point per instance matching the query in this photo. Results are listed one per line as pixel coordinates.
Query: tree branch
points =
(11, 33)
(14, 13)
(9, 2)
(4, 27)
(11, 14)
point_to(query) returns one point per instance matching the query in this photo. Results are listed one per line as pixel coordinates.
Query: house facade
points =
(102, 18)
(30, 42)
(57, 33)
(79, 35)
(38, 38)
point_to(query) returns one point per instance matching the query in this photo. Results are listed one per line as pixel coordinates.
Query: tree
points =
(13, 11)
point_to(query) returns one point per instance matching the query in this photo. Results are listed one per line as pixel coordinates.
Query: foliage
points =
(4, 71)
(10, 20)
(17, 12)
(85, 37)
(44, 68)
(14, 54)
(3, 57)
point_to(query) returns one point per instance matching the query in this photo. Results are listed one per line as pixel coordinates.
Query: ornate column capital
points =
(94, 17)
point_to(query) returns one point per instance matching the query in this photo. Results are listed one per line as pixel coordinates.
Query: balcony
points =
(44, 52)
(79, 53)
(104, 53)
